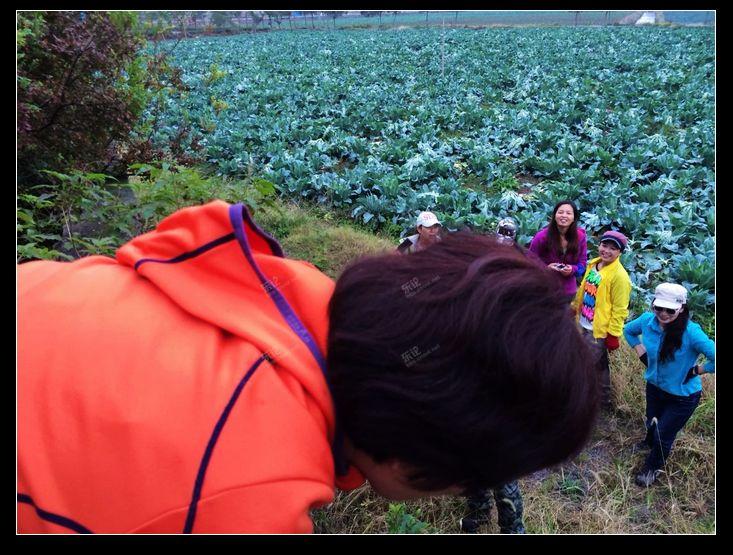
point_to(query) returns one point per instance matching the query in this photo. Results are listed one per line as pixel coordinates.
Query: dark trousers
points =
(602, 366)
(605, 369)
(509, 507)
(666, 415)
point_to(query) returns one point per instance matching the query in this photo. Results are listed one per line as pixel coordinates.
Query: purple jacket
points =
(540, 245)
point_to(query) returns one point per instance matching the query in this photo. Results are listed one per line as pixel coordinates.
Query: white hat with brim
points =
(670, 295)
(427, 219)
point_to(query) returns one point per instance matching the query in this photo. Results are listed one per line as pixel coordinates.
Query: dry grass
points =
(595, 493)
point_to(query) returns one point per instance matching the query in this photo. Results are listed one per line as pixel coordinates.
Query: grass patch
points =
(309, 234)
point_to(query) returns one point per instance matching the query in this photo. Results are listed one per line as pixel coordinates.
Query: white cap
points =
(670, 295)
(427, 219)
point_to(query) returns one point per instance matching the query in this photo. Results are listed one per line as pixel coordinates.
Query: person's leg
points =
(653, 410)
(479, 509)
(605, 370)
(601, 366)
(675, 413)
(510, 508)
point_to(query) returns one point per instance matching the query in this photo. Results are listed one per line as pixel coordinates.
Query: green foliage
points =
(697, 270)
(90, 88)
(221, 19)
(73, 215)
(619, 119)
(703, 419)
(218, 105)
(706, 319)
(34, 231)
(80, 88)
(214, 75)
(319, 237)
(572, 487)
(79, 213)
(399, 521)
(506, 183)
(29, 26)
(162, 188)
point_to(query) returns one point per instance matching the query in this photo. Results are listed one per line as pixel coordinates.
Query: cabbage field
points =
(474, 125)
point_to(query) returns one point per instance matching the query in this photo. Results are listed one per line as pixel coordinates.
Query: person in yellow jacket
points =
(602, 301)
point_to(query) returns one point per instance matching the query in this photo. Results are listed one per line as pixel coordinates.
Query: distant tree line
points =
(187, 23)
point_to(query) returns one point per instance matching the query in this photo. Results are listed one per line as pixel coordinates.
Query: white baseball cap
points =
(670, 295)
(427, 219)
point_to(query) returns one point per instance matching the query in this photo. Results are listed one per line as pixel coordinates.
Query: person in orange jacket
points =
(201, 382)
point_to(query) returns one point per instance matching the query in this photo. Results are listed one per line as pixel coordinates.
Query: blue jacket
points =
(670, 375)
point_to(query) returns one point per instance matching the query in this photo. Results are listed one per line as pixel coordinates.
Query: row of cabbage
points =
(476, 125)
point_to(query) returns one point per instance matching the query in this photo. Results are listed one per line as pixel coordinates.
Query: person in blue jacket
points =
(669, 347)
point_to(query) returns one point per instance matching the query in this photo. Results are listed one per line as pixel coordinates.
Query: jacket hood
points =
(216, 264)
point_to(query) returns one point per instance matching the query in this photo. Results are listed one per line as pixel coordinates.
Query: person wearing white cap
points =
(668, 344)
(428, 233)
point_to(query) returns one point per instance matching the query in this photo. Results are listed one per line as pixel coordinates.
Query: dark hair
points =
(462, 360)
(571, 235)
(672, 338)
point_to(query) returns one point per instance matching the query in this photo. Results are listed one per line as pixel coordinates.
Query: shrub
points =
(77, 214)
(80, 88)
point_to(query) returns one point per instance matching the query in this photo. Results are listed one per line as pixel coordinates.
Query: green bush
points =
(74, 215)
(79, 214)
(80, 88)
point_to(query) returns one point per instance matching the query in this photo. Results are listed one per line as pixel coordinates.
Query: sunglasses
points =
(660, 309)
(506, 232)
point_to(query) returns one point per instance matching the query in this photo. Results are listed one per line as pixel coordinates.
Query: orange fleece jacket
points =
(177, 388)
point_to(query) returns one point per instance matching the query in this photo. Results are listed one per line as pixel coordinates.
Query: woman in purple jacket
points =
(562, 245)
